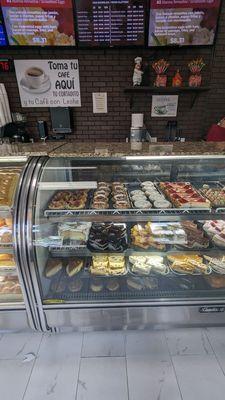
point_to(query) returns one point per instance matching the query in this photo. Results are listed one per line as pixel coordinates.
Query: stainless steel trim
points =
(13, 159)
(22, 242)
(28, 245)
(161, 317)
(18, 244)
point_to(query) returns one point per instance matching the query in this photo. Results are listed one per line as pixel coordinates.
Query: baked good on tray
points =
(215, 195)
(69, 200)
(74, 265)
(52, 267)
(216, 230)
(187, 264)
(144, 265)
(184, 195)
(196, 238)
(112, 265)
(74, 232)
(8, 184)
(108, 237)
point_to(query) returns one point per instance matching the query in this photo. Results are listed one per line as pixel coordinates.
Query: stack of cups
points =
(137, 126)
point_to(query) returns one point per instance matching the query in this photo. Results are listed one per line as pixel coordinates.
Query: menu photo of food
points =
(183, 22)
(51, 23)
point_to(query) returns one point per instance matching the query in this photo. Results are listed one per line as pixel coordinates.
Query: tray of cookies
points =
(110, 196)
(216, 263)
(146, 195)
(214, 193)
(188, 264)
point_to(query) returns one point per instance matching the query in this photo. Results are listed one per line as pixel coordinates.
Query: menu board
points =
(3, 41)
(39, 22)
(110, 22)
(183, 22)
(2, 35)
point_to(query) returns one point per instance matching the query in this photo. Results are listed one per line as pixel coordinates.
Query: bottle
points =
(177, 79)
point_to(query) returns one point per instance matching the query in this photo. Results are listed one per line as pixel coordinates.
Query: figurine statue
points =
(137, 76)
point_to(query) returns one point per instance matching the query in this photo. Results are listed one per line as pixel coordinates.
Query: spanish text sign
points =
(48, 83)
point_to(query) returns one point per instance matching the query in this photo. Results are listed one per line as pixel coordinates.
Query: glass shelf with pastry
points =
(121, 230)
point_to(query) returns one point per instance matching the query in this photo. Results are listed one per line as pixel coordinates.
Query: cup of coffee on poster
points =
(35, 77)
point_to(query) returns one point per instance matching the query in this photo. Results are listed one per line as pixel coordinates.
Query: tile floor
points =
(182, 364)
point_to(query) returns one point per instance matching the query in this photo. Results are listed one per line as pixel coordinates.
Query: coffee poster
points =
(48, 83)
(164, 106)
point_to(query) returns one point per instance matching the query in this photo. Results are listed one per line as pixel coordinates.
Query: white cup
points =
(35, 76)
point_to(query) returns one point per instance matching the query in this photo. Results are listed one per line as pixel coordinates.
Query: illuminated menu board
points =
(39, 22)
(110, 22)
(3, 41)
(183, 22)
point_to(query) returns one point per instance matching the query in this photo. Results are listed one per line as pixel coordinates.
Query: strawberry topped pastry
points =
(184, 195)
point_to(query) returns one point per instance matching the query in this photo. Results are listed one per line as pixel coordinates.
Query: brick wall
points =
(111, 71)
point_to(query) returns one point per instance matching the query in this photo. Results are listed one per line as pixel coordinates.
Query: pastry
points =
(135, 284)
(215, 195)
(75, 285)
(219, 239)
(74, 231)
(162, 204)
(52, 267)
(184, 195)
(151, 283)
(6, 257)
(8, 184)
(144, 265)
(195, 236)
(108, 265)
(218, 265)
(7, 264)
(107, 237)
(74, 266)
(215, 281)
(69, 200)
(187, 263)
(96, 285)
(61, 286)
(113, 285)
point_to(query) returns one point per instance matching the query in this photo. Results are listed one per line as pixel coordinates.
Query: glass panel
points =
(10, 290)
(151, 229)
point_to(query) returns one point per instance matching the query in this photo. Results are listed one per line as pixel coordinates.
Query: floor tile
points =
(104, 344)
(14, 377)
(216, 338)
(16, 345)
(189, 341)
(199, 377)
(151, 379)
(56, 369)
(102, 378)
(146, 342)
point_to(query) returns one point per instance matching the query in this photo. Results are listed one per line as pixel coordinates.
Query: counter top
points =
(101, 149)
(28, 149)
(123, 149)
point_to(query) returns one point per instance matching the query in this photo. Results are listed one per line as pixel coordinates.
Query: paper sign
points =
(164, 106)
(48, 83)
(99, 103)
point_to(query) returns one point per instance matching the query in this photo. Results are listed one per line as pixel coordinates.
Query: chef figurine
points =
(137, 76)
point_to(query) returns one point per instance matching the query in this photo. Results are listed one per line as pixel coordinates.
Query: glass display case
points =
(128, 242)
(12, 293)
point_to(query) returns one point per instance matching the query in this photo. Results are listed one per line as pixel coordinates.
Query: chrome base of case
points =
(159, 317)
(14, 321)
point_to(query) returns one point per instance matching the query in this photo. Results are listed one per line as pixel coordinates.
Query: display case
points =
(127, 242)
(14, 303)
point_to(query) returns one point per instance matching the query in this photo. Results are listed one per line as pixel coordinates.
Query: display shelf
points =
(69, 251)
(131, 215)
(133, 90)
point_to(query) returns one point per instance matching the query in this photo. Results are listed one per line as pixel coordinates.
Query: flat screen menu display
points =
(39, 22)
(110, 22)
(3, 41)
(183, 22)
